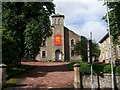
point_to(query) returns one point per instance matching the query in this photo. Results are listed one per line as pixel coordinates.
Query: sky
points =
(83, 17)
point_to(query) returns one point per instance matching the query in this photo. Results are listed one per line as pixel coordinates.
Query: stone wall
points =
(101, 81)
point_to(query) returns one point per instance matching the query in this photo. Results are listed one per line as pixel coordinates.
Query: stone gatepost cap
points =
(76, 65)
(3, 65)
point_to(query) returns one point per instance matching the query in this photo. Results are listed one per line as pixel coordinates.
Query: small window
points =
(72, 53)
(106, 54)
(44, 43)
(72, 42)
(55, 21)
(59, 21)
(43, 54)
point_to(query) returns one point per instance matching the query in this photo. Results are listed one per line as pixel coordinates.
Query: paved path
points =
(45, 76)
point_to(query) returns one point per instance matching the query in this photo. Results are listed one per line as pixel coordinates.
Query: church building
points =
(59, 46)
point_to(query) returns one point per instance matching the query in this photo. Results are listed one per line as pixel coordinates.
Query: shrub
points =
(107, 69)
(49, 60)
(117, 70)
(98, 67)
(85, 68)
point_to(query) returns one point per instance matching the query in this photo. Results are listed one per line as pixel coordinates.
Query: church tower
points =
(58, 35)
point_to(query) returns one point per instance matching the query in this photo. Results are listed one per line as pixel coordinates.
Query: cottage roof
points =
(104, 38)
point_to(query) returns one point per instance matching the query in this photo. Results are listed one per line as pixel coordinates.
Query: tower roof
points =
(58, 15)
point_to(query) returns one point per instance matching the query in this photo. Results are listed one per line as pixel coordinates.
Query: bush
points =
(49, 60)
(85, 68)
(107, 69)
(117, 70)
(98, 67)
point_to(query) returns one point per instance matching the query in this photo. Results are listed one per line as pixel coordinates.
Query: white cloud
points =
(83, 16)
(95, 27)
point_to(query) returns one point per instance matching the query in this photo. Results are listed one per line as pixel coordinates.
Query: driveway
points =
(45, 75)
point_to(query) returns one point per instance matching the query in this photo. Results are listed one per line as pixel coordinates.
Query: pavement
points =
(44, 76)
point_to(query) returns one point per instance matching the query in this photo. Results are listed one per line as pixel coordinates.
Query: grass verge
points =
(11, 80)
(16, 70)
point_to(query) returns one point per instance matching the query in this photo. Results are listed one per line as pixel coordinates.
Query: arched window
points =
(72, 42)
(44, 43)
(55, 21)
(59, 21)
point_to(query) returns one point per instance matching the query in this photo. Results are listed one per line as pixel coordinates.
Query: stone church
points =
(59, 46)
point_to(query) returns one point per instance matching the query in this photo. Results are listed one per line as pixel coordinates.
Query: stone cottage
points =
(105, 50)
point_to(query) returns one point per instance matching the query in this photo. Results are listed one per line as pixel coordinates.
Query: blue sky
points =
(83, 16)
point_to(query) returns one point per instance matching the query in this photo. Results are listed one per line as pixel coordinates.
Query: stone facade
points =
(60, 46)
(105, 50)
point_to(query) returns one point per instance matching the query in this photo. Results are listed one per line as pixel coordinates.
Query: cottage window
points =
(72, 42)
(106, 54)
(43, 54)
(44, 43)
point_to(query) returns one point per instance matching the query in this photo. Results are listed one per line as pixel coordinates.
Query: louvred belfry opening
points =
(57, 40)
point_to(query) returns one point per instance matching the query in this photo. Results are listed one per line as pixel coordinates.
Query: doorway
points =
(58, 55)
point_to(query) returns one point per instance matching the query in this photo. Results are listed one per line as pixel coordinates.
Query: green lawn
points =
(11, 80)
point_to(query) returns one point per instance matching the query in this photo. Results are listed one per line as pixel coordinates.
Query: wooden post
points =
(2, 75)
(76, 76)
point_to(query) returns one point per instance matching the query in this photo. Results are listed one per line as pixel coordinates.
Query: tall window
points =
(72, 42)
(55, 21)
(44, 43)
(43, 54)
(106, 54)
(59, 21)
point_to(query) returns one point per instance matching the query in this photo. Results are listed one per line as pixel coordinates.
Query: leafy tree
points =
(114, 19)
(81, 48)
(27, 24)
(95, 49)
(10, 50)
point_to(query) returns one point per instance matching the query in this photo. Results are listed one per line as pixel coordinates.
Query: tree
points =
(10, 50)
(114, 19)
(81, 48)
(95, 49)
(28, 24)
